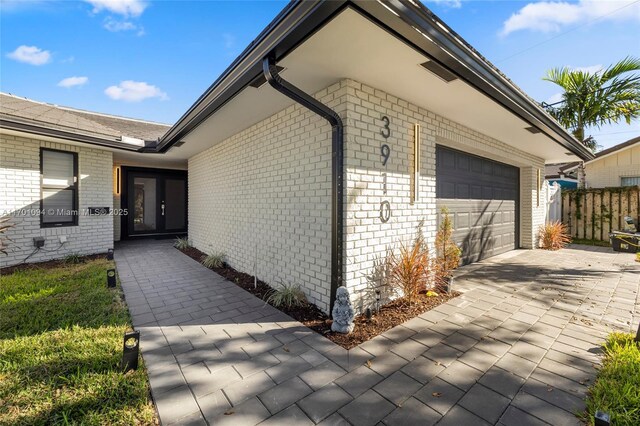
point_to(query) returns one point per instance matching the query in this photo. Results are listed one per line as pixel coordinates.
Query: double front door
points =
(157, 202)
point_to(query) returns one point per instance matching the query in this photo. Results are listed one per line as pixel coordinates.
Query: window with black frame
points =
(59, 188)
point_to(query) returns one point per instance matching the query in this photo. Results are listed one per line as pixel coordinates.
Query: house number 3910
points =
(385, 153)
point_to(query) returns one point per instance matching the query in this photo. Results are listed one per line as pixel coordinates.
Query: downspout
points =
(337, 163)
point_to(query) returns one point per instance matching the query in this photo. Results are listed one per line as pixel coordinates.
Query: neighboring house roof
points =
(616, 148)
(17, 113)
(559, 170)
(409, 21)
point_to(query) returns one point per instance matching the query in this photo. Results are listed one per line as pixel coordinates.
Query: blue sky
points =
(152, 60)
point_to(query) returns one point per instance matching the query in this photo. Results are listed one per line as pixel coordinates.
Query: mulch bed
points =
(49, 264)
(393, 313)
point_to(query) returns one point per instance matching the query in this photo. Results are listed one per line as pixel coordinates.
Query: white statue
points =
(342, 312)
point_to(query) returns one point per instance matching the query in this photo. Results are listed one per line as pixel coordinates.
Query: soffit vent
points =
(260, 80)
(440, 71)
(532, 129)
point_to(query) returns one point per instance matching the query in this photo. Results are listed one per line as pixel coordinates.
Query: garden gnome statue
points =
(342, 312)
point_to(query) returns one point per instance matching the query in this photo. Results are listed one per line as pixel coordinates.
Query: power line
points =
(566, 32)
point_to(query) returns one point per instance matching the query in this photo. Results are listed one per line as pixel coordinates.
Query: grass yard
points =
(61, 334)
(617, 388)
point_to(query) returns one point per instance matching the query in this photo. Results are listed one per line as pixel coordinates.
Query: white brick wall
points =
(263, 197)
(20, 189)
(367, 238)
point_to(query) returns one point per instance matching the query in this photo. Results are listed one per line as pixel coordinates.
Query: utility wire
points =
(566, 32)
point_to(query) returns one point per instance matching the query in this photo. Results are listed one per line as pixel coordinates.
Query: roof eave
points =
(300, 19)
(61, 134)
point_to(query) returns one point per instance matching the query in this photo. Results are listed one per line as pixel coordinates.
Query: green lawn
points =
(617, 389)
(60, 347)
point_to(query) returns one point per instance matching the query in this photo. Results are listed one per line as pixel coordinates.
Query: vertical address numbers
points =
(385, 153)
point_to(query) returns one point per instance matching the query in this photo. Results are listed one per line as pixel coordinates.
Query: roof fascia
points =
(617, 151)
(61, 134)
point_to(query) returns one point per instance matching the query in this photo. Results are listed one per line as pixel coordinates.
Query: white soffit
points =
(351, 46)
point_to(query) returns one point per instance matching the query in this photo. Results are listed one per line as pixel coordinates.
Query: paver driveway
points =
(517, 348)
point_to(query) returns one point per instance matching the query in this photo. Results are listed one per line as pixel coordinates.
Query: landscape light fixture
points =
(110, 254)
(111, 278)
(601, 419)
(130, 351)
(377, 301)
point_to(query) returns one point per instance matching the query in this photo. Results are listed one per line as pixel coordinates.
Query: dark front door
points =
(156, 202)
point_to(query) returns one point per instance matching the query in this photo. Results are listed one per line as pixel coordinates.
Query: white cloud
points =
(134, 91)
(553, 16)
(591, 69)
(30, 55)
(114, 25)
(125, 8)
(554, 99)
(456, 4)
(73, 81)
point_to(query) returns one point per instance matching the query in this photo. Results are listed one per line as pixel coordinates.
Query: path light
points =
(377, 301)
(111, 278)
(130, 351)
(110, 254)
(601, 419)
(369, 314)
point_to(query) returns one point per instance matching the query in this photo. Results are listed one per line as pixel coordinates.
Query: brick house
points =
(334, 135)
(618, 165)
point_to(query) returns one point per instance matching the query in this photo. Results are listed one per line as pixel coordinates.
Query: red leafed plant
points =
(409, 272)
(554, 236)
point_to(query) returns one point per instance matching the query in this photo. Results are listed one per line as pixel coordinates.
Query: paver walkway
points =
(517, 348)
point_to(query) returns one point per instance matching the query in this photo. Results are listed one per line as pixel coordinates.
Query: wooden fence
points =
(593, 213)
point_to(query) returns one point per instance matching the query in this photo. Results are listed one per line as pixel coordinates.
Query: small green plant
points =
(616, 390)
(554, 236)
(181, 243)
(287, 295)
(214, 260)
(73, 259)
(447, 251)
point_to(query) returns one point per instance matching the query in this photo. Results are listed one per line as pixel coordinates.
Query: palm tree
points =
(592, 99)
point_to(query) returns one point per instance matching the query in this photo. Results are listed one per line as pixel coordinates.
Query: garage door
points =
(482, 198)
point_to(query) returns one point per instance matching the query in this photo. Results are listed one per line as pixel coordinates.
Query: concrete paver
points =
(517, 347)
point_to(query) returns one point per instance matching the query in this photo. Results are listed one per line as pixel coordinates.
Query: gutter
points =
(337, 163)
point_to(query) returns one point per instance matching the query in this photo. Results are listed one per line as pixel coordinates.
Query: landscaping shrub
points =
(73, 259)
(409, 269)
(181, 243)
(214, 260)
(616, 390)
(554, 236)
(287, 295)
(447, 251)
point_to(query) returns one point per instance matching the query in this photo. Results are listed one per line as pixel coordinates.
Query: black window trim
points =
(74, 187)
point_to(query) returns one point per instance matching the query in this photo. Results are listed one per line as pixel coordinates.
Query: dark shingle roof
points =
(22, 110)
(618, 147)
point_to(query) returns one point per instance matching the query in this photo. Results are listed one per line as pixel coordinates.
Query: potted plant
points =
(447, 253)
